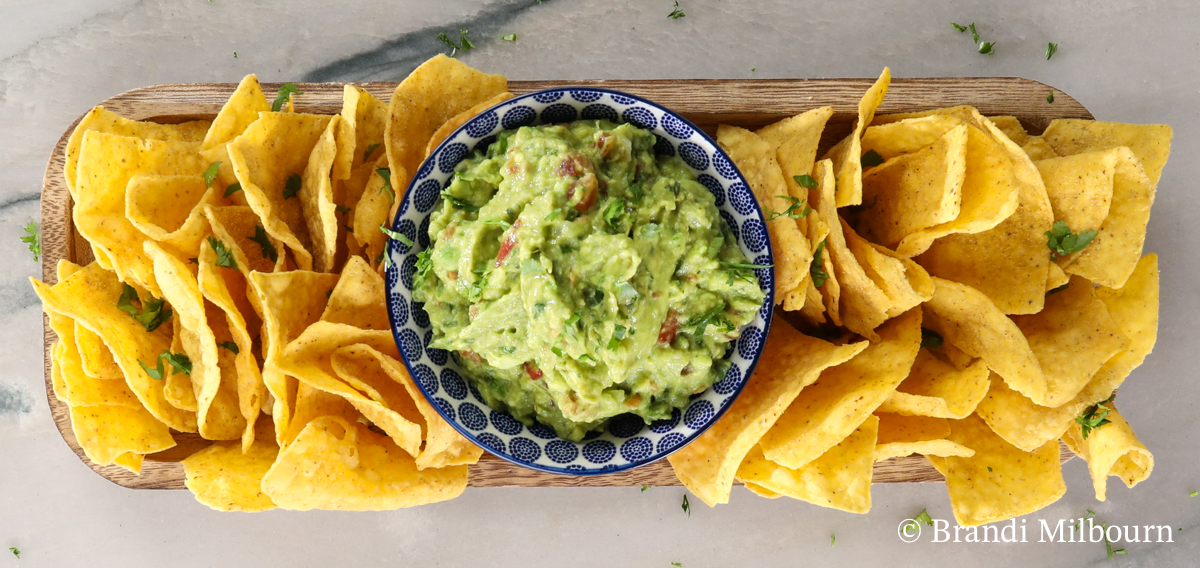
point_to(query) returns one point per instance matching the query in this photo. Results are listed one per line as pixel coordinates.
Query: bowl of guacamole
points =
(586, 282)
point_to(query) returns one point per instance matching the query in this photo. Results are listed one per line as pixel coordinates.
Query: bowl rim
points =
(769, 298)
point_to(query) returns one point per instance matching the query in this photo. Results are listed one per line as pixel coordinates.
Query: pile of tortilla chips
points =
(931, 312)
(237, 293)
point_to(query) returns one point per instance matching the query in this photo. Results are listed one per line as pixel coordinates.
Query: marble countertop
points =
(1125, 60)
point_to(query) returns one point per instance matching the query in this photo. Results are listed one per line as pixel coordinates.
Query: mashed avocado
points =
(576, 276)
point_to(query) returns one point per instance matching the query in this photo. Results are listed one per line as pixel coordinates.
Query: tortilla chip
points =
(272, 150)
(235, 226)
(756, 160)
(825, 208)
(1112, 449)
(1071, 338)
(75, 388)
(106, 164)
(1135, 309)
(903, 281)
(95, 356)
(1012, 128)
(1000, 481)
(100, 119)
(915, 191)
(131, 462)
(316, 198)
(790, 362)
(339, 465)
(1057, 278)
(170, 209)
(226, 478)
(291, 301)
(1037, 149)
(1151, 143)
(364, 118)
(847, 154)
(1080, 188)
(936, 388)
(1112, 255)
(106, 432)
(217, 415)
(831, 408)
(795, 140)
(839, 479)
(310, 403)
(462, 118)
(905, 435)
(372, 211)
(90, 296)
(359, 298)
(440, 89)
(239, 112)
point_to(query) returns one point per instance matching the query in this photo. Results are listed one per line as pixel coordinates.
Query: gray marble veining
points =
(1125, 60)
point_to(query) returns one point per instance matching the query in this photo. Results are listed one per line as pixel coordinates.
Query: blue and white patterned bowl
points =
(626, 442)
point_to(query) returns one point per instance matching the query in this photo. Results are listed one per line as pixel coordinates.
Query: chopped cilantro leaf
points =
(832, 539)
(230, 346)
(180, 363)
(1063, 242)
(614, 212)
(960, 29)
(687, 507)
(155, 373)
(424, 263)
(974, 34)
(464, 40)
(793, 211)
(285, 92)
(558, 352)
(151, 314)
(385, 258)
(211, 173)
(1050, 97)
(871, 159)
(679, 564)
(986, 47)
(264, 242)
(292, 187)
(386, 174)
(16, 551)
(463, 44)
(460, 203)
(714, 317)
(806, 181)
(348, 228)
(1094, 416)
(396, 235)
(931, 339)
(574, 318)
(1193, 494)
(617, 336)
(924, 517)
(224, 255)
(675, 15)
(342, 209)
(233, 188)
(644, 488)
(509, 37)
(370, 150)
(815, 270)
(1051, 49)
(33, 238)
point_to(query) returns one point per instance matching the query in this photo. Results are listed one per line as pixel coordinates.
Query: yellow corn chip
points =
(905, 435)
(239, 112)
(1151, 143)
(451, 125)
(373, 209)
(316, 198)
(969, 320)
(100, 119)
(790, 362)
(1071, 338)
(268, 158)
(106, 164)
(1135, 309)
(97, 359)
(339, 465)
(1000, 481)
(847, 154)
(178, 387)
(310, 403)
(1080, 188)
(226, 478)
(1012, 128)
(106, 432)
(75, 388)
(90, 296)
(1057, 278)
(1112, 449)
(170, 209)
(830, 409)
(291, 301)
(1037, 149)
(903, 281)
(364, 118)
(358, 299)
(935, 388)
(433, 93)
(825, 218)
(236, 227)
(795, 142)
(839, 479)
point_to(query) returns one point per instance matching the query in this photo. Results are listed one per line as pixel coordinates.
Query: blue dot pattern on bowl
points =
(598, 112)
(557, 113)
(454, 385)
(766, 278)
(626, 442)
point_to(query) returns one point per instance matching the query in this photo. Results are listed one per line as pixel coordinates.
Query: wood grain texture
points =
(706, 102)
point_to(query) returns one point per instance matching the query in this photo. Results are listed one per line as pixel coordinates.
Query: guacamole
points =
(576, 276)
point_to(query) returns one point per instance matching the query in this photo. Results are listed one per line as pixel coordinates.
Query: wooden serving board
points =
(706, 102)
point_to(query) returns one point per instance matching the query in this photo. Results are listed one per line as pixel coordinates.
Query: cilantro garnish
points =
(180, 363)
(1051, 49)
(687, 507)
(675, 15)
(1050, 96)
(1095, 416)
(264, 242)
(211, 173)
(224, 255)
(385, 258)
(806, 181)
(396, 235)
(464, 43)
(1062, 242)
(152, 313)
(230, 346)
(832, 539)
(33, 238)
(714, 317)
(679, 564)
(16, 551)
(931, 339)
(924, 517)
(285, 92)
(574, 318)
(233, 188)
(986, 47)
(292, 187)
(1193, 494)
(460, 203)
(386, 174)
(871, 159)
(974, 34)
(424, 263)
(509, 37)
(342, 209)
(743, 270)
(815, 270)
(558, 352)
(614, 212)
(644, 488)
(370, 150)
(960, 29)
(793, 211)
(617, 336)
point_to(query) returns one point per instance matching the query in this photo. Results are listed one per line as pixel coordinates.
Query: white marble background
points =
(1125, 60)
